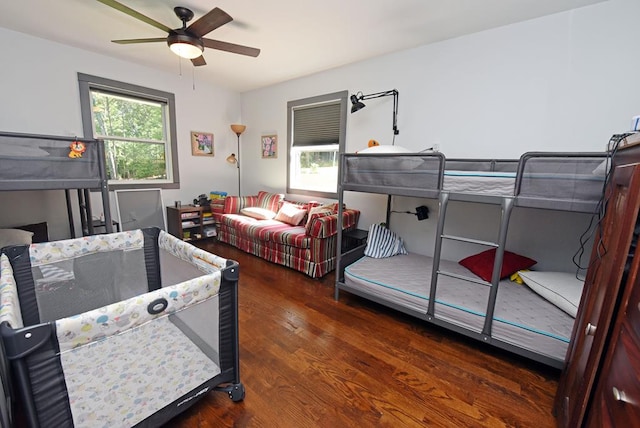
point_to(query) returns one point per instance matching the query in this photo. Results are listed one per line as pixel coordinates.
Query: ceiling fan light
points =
(185, 46)
(186, 50)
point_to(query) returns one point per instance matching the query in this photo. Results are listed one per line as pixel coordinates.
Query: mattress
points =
(115, 382)
(480, 183)
(521, 318)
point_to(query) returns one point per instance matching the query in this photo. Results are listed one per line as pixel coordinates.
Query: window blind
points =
(316, 125)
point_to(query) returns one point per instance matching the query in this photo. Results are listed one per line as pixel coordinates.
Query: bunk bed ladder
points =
(507, 205)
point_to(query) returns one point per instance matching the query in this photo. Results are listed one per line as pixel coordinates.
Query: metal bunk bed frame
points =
(95, 149)
(507, 204)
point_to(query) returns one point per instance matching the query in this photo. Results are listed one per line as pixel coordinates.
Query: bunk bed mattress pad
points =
(521, 318)
(479, 182)
(118, 379)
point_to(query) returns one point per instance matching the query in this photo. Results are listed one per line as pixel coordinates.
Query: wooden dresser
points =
(600, 384)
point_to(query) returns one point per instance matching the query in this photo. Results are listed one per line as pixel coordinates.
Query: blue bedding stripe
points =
(458, 307)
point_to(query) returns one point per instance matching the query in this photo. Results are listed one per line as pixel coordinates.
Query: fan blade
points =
(209, 22)
(132, 41)
(199, 61)
(231, 47)
(134, 14)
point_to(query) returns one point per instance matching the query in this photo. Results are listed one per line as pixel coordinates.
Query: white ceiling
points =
(296, 37)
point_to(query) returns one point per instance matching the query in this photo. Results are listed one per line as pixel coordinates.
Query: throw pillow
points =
(333, 206)
(270, 201)
(382, 243)
(481, 264)
(258, 213)
(312, 217)
(562, 289)
(291, 214)
(317, 210)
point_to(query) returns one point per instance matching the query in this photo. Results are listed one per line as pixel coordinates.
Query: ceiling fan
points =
(187, 42)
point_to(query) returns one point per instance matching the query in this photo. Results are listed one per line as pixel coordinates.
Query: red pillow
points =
(482, 263)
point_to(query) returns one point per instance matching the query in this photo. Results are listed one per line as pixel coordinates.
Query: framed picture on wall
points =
(201, 144)
(269, 146)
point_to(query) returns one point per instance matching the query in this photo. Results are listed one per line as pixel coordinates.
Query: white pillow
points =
(258, 213)
(14, 237)
(562, 289)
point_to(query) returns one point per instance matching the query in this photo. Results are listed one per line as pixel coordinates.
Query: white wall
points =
(39, 90)
(563, 82)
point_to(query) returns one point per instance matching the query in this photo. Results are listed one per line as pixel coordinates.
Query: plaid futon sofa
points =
(307, 243)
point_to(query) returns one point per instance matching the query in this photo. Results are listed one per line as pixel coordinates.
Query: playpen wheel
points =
(237, 392)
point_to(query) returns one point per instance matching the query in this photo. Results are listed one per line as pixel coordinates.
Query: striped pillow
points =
(382, 242)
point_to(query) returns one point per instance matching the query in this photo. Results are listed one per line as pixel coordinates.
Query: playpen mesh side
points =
(77, 275)
(87, 282)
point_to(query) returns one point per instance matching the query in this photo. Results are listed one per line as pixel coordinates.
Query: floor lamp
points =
(238, 130)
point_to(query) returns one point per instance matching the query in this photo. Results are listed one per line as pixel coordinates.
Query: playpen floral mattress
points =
(121, 381)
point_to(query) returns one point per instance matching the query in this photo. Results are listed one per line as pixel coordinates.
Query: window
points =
(316, 133)
(137, 125)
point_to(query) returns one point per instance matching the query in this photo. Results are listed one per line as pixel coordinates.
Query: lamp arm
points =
(379, 94)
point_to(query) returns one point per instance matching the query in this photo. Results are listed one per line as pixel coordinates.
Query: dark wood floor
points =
(310, 361)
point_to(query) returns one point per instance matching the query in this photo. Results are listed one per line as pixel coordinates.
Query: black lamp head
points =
(357, 104)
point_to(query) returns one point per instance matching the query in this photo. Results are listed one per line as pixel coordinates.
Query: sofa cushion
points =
(270, 201)
(266, 230)
(251, 227)
(293, 236)
(291, 213)
(233, 204)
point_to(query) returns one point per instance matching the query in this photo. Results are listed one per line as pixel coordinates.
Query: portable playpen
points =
(122, 329)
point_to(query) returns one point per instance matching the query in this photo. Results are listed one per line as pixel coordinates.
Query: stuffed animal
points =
(77, 149)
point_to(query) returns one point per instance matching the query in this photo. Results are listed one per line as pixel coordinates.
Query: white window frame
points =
(340, 98)
(88, 83)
